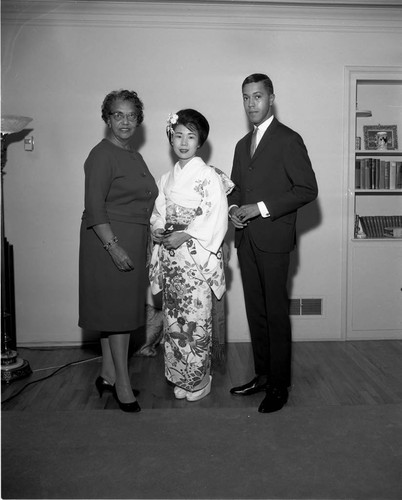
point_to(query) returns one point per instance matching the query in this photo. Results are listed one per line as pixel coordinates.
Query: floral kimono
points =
(191, 199)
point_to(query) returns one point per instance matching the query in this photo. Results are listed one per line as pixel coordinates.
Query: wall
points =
(61, 58)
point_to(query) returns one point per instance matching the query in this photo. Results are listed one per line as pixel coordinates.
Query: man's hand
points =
(241, 215)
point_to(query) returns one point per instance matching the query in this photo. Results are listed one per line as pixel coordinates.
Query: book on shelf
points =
(393, 232)
(382, 175)
(379, 226)
(399, 175)
(358, 174)
(386, 173)
(392, 175)
(373, 173)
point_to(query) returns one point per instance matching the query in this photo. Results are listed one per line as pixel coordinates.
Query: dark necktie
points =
(253, 142)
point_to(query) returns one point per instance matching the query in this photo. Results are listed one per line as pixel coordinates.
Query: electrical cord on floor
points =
(48, 376)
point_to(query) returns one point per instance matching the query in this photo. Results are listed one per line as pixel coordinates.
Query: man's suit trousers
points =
(264, 276)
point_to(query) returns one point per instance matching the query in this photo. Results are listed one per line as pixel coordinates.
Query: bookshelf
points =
(373, 205)
(378, 174)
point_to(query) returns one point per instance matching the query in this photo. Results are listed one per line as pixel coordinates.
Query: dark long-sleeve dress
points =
(119, 190)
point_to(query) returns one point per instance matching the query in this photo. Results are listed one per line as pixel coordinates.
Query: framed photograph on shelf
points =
(380, 137)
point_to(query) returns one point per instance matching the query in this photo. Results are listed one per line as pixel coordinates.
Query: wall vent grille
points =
(306, 307)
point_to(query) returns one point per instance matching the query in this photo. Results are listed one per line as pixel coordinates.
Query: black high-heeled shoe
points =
(133, 407)
(103, 385)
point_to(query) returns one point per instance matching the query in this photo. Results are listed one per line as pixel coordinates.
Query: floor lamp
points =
(12, 366)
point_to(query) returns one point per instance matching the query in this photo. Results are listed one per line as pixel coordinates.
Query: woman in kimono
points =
(188, 224)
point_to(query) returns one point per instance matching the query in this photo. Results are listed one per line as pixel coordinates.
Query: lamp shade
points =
(11, 124)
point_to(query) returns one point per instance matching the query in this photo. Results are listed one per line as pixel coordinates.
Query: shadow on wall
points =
(308, 217)
(15, 137)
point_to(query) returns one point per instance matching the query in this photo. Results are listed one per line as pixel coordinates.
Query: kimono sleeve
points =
(158, 217)
(211, 222)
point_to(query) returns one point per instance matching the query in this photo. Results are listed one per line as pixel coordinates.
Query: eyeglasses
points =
(119, 116)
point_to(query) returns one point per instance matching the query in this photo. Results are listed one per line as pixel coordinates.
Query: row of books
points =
(374, 173)
(378, 226)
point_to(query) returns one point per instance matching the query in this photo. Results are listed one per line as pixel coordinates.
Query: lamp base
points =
(13, 367)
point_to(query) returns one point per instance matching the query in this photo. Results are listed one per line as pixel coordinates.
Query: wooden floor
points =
(324, 373)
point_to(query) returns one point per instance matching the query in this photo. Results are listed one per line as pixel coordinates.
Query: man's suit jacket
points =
(280, 175)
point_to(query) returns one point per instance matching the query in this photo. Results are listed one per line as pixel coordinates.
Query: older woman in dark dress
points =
(119, 196)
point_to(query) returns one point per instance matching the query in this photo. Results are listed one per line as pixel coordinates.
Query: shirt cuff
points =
(263, 209)
(231, 206)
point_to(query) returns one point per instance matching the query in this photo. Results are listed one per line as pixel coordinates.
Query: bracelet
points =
(110, 243)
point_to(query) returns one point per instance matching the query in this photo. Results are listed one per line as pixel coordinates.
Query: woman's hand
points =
(157, 235)
(119, 256)
(175, 239)
(121, 259)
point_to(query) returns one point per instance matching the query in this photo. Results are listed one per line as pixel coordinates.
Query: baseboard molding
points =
(75, 345)
(56, 345)
(375, 335)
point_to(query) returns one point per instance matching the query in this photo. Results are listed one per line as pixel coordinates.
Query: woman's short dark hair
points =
(260, 77)
(193, 120)
(123, 95)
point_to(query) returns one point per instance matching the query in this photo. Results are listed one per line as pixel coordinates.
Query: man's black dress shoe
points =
(250, 388)
(274, 400)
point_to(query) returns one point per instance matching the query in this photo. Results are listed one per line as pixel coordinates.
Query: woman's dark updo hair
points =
(123, 95)
(194, 121)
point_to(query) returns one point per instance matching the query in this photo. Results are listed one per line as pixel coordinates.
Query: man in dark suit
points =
(273, 177)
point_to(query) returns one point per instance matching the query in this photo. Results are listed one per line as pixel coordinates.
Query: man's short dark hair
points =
(260, 77)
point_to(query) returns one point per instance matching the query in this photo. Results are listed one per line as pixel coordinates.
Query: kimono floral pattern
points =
(187, 304)
(192, 200)
(187, 337)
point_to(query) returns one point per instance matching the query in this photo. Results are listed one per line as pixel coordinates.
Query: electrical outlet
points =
(29, 143)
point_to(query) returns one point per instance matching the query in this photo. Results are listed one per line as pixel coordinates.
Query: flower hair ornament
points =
(172, 120)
